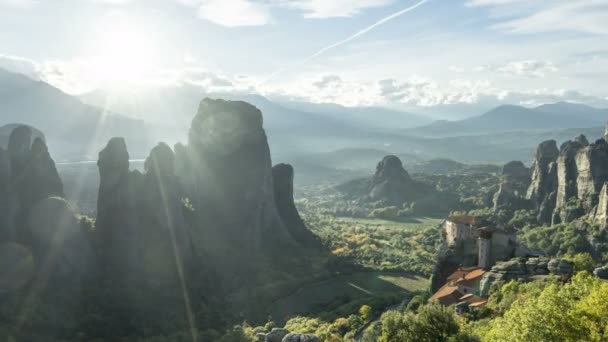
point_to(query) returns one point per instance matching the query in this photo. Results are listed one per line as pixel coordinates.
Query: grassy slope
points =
(344, 293)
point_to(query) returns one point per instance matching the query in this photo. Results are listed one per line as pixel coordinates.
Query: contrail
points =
(348, 39)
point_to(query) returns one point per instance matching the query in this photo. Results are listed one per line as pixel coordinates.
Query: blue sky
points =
(442, 53)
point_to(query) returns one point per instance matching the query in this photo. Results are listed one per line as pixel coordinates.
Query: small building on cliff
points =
(477, 241)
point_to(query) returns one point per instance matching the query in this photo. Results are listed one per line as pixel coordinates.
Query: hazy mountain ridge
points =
(74, 129)
(509, 118)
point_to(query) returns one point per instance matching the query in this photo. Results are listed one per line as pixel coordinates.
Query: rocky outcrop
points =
(567, 172)
(523, 269)
(233, 191)
(27, 175)
(116, 225)
(164, 231)
(391, 183)
(282, 175)
(511, 193)
(600, 214)
(276, 335)
(591, 165)
(601, 272)
(300, 338)
(544, 180)
(568, 186)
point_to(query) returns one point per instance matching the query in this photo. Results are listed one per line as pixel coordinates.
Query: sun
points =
(124, 55)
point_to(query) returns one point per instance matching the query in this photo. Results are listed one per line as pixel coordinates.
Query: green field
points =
(381, 245)
(345, 293)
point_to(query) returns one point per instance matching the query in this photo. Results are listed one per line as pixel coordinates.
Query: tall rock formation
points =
(116, 224)
(600, 214)
(164, 232)
(282, 175)
(512, 190)
(592, 168)
(542, 190)
(27, 175)
(391, 182)
(568, 185)
(232, 192)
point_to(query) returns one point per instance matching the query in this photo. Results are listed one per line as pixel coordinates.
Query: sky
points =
(408, 54)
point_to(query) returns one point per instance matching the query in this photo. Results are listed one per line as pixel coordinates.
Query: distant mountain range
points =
(317, 137)
(509, 118)
(73, 129)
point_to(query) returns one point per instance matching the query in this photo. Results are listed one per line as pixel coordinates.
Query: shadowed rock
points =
(232, 191)
(282, 175)
(116, 214)
(61, 245)
(165, 234)
(17, 266)
(19, 145)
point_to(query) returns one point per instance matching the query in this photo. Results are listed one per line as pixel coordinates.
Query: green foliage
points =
(431, 323)
(563, 239)
(380, 245)
(523, 218)
(577, 311)
(582, 262)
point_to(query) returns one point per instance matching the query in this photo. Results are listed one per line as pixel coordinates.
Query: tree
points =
(365, 312)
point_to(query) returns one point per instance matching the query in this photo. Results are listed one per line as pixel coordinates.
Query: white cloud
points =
(19, 4)
(528, 68)
(333, 8)
(233, 13)
(584, 16)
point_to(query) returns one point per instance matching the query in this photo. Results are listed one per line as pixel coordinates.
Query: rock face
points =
(391, 182)
(27, 175)
(282, 175)
(515, 182)
(233, 188)
(544, 180)
(116, 215)
(524, 269)
(567, 186)
(600, 215)
(591, 164)
(164, 232)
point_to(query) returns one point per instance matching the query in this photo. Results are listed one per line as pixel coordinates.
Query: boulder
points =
(300, 338)
(601, 272)
(276, 335)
